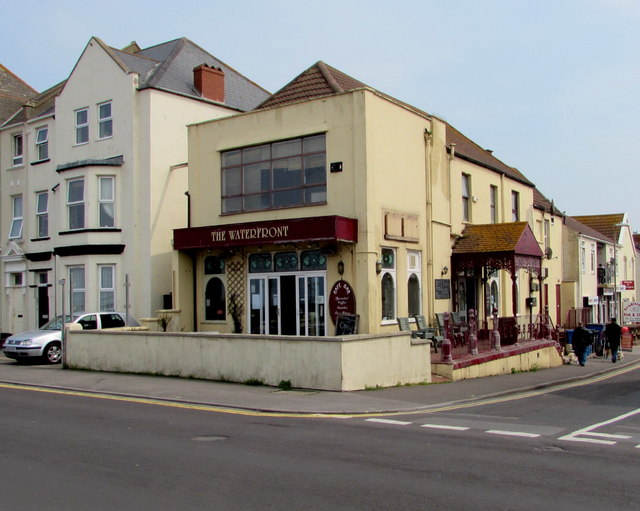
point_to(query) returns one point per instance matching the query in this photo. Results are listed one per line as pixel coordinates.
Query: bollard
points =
(495, 334)
(446, 350)
(473, 336)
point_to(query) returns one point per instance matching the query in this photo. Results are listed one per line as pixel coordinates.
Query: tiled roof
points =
(487, 238)
(604, 224)
(323, 80)
(542, 203)
(14, 92)
(575, 225)
(38, 105)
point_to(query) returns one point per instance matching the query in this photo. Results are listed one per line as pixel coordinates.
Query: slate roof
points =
(37, 106)
(514, 237)
(323, 80)
(169, 66)
(604, 224)
(13, 93)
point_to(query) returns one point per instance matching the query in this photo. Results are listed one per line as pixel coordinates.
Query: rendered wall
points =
(324, 363)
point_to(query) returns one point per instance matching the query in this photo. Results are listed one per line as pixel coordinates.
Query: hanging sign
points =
(342, 300)
(631, 313)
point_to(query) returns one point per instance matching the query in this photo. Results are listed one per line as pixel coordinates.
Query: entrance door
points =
(43, 305)
(287, 304)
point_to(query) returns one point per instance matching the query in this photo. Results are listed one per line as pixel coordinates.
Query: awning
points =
(294, 230)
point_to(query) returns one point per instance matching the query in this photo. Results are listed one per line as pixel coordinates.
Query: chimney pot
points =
(209, 82)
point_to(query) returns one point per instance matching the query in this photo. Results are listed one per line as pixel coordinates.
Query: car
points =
(46, 342)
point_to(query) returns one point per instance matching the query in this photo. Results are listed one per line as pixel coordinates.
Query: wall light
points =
(340, 268)
(378, 266)
(445, 270)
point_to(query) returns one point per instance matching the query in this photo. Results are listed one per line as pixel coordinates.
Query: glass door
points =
(264, 306)
(311, 305)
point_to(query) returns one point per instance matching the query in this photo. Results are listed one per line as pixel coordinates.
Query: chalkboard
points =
(443, 289)
(347, 324)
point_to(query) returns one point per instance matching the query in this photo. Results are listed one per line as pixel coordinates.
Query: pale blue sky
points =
(551, 86)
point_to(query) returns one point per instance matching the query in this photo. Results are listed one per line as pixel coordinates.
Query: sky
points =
(551, 86)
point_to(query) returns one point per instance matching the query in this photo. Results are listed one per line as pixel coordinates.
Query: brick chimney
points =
(209, 82)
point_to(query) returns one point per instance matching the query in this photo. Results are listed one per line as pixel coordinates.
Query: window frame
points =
(103, 202)
(106, 290)
(414, 268)
(466, 197)
(17, 217)
(515, 206)
(42, 216)
(42, 146)
(389, 270)
(77, 292)
(104, 122)
(493, 204)
(75, 204)
(81, 128)
(251, 179)
(17, 150)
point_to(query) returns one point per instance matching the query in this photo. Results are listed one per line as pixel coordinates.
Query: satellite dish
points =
(548, 253)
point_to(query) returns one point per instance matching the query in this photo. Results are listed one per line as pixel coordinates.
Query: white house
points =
(101, 177)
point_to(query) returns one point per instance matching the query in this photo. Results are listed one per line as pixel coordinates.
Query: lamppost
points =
(616, 294)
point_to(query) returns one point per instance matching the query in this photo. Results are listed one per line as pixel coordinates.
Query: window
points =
(493, 203)
(15, 279)
(547, 234)
(414, 283)
(107, 290)
(583, 257)
(42, 143)
(106, 202)
(277, 175)
(515, 206)
(16, 222)
(75, 203)
(466, 192)
(77, 289)
(388, 284)
(105, 123)
(42, 214)
(82, 126)
(593, 259)
(18, 150)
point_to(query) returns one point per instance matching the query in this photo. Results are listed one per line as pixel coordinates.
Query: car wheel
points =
(53, 353)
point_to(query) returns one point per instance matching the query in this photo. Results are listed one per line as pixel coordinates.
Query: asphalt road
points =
(63, 452)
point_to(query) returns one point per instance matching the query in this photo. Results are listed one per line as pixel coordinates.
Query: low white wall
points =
(327, 363)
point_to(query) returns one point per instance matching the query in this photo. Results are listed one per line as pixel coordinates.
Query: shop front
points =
(269, 277)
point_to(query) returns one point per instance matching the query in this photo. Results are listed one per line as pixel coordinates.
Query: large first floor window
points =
(75, 203)
(42, 214)
(77, 289)
(106, 201)
(276, 175)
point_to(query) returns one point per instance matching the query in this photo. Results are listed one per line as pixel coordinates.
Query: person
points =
(612, 334)
(581, 341)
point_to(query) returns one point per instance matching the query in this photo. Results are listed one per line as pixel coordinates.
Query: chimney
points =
(209, 82)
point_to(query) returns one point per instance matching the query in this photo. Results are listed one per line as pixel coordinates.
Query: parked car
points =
(46, 342)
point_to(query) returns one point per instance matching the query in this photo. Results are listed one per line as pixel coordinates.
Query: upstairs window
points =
(493, 203)
(16, 222)
(106, 202)
(18, 150)
(42, 143)
(466, 195)
(75, 204)
(42, 214)
(278, 175)
(515, 206)
(105, 123)
(82, 126)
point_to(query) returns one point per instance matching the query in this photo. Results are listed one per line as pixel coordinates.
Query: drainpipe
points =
(194, 297)
(428, 137)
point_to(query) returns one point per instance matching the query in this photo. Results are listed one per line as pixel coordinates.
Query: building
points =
(93, 191)
(331, 197)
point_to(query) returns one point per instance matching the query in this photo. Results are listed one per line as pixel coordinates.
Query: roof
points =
(38, 105)
(169, 66)
(13, 93)
(322, 80)
(604, 224)
(575, 225)
(493, 238)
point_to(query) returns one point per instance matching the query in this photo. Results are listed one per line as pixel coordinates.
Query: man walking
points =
(612, 335)
(581, 341)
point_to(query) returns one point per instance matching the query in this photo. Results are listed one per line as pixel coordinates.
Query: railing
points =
(466, 338)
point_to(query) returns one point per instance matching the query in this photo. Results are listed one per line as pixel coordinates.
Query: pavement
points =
(241, 397)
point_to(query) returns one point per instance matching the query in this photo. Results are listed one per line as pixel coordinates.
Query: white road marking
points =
(389, 421)
(513, 433)
(444, 426)
(576, 436)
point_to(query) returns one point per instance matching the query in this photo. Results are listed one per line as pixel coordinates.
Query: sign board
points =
(347, 324)
(443, 289)
(626, 341)
(342, 300)
(629, 285)
(593, 300)
(631, 313)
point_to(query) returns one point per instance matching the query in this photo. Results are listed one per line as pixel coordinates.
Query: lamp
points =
(444, 271)
(340, 268)
(378, 266)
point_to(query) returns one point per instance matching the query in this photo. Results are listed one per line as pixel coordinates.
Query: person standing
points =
(612, 335)
(581, 341)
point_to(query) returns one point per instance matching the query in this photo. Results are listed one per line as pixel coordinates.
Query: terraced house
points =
(94, 174)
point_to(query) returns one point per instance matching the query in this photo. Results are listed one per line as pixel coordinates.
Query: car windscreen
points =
(55, 323)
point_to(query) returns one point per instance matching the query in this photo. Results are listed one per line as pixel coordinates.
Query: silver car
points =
(46, 342)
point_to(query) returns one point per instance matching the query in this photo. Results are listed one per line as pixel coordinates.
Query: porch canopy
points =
(507, 246)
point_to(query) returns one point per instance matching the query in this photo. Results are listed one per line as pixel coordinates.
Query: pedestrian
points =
(581, 340)
(612, 335)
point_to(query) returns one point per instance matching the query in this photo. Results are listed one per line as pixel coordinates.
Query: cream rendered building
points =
(102, 180)
(333, 197)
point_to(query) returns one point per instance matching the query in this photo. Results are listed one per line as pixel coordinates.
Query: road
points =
(570, 449)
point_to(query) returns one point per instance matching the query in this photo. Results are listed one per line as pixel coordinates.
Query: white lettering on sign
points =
(258, 233)
(219, 236)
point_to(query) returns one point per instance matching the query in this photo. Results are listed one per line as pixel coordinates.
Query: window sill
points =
(298, 206)
(15, 167)
(40, 239)
(77, 231)
(38, 162)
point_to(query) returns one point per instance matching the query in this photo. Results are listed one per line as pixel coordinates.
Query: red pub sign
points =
(629, 285)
